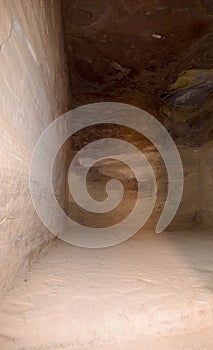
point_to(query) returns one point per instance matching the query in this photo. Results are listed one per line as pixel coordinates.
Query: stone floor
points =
(152, 291)
(202, 340)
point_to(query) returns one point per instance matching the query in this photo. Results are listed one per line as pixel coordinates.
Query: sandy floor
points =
(150, 286)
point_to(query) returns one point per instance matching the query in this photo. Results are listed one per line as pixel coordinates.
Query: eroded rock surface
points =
(135, 49)
(156, 55)
(33, 92)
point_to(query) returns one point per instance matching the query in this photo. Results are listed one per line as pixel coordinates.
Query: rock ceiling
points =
(155, 54)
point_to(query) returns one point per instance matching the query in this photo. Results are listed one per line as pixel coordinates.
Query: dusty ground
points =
(202, 340)
(126, 296)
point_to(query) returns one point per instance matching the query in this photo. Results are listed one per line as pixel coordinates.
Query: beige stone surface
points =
(148, 286)
(33, 91)
(191, 341)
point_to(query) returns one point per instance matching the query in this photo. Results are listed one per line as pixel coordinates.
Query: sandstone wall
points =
(156, 55)
(33, 92)
(189, 212)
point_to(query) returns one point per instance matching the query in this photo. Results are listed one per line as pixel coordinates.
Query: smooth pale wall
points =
(33, 91)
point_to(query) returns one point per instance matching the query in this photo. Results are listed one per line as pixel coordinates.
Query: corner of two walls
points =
(34, 90)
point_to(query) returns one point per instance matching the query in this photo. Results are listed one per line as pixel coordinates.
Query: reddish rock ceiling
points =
(133, 50)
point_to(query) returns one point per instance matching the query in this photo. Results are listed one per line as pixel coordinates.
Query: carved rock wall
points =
(33, 91)
(156, 55)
